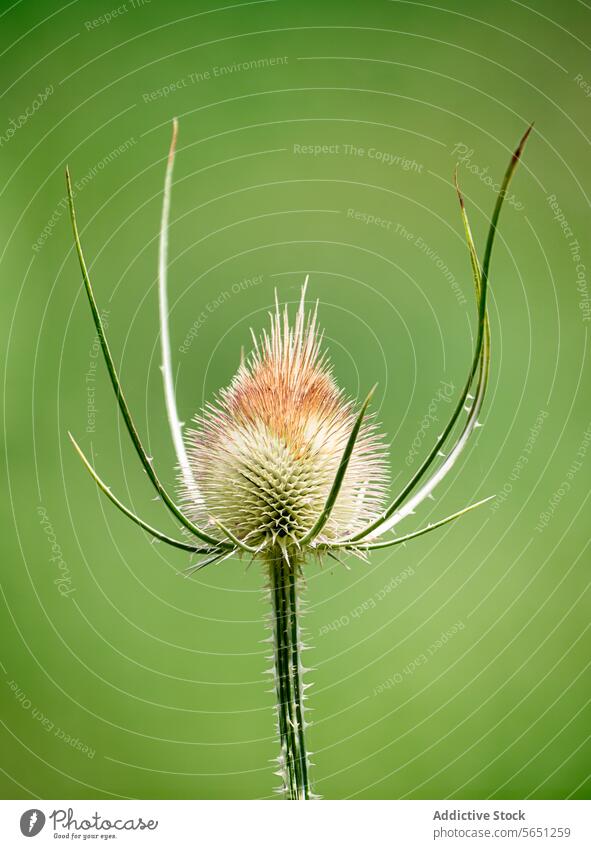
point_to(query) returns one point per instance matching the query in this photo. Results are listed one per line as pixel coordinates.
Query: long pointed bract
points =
(167, 378)
(480, 361)
(476, 406)
(339, 477)
(235, 540)
(146, 462)
(127, 512)
(376, 526)
(372, 546)
(218, 557)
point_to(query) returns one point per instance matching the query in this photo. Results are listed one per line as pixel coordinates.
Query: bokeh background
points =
(457, 667)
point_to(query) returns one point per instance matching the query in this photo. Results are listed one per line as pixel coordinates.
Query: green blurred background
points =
(120, 678)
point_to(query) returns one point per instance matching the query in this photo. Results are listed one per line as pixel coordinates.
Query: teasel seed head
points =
(265, 453)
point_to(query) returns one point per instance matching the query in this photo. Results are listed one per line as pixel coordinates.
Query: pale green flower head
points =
(265, 453)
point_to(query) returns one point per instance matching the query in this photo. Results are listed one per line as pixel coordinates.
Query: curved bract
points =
(116, 383)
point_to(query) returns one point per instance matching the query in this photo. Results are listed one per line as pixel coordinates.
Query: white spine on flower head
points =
(265, 453)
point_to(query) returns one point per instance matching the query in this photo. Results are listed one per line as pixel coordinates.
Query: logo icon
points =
(32, 822)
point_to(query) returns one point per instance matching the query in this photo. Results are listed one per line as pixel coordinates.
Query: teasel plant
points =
(281, 468)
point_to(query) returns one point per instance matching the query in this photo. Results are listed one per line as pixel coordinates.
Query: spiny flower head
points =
(265, 454)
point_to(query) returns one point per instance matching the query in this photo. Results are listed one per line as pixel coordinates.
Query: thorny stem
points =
(293, 760)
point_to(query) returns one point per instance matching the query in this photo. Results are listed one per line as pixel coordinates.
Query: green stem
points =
(293, 760)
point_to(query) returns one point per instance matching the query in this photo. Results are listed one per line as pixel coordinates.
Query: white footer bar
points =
(278, 825)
